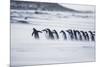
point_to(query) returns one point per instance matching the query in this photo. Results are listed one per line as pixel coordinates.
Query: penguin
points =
(77, 35)
(64, 34)
(49, 32)
(70, 32)
(85, 35)
(92, 35)
(56, 34)
(36, 33)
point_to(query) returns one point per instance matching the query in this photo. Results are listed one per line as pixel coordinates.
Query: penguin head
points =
(34, 29)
